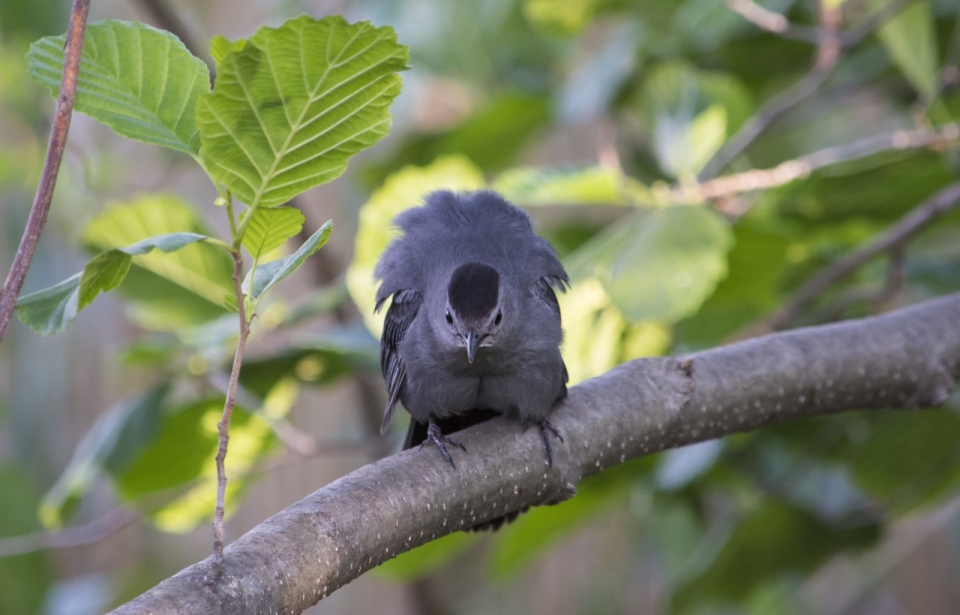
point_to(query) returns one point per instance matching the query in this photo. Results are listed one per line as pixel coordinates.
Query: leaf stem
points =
(245, 218)
(220, 244)
(51, 165)
(224, 425)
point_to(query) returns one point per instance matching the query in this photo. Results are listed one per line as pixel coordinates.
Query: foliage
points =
(590, 114)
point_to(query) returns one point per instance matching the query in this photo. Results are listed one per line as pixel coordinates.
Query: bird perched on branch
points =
(473, 329)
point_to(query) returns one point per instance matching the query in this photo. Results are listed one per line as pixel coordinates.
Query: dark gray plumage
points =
(474, 326)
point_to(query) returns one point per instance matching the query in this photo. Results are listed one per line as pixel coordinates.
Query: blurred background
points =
(606, 119)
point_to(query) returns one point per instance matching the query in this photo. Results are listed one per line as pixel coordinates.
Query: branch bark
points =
(905, 359)
(51, 164)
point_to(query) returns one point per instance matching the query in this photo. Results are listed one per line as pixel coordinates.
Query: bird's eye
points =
(499, 317)
(449, 318)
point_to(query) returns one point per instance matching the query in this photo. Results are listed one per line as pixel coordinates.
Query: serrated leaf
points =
(172, 290)
(911, 41)
(404, 189)
(269, 228)
(295, 102)
(140, 81)
(51, 310)
(220, 47)
(270, 273)
(658, 265)
(110, 443)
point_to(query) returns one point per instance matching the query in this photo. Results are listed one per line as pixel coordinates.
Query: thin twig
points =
(224, 425)
(893, 239)
(51, 165)
(786, 172)
(828, 52)
(776, 23)
(81, 535)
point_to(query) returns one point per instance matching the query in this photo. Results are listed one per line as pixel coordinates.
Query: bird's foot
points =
(436, 436)
(546, 428)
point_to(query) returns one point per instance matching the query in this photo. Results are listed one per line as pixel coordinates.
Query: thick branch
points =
(904, 359)
(51, 164)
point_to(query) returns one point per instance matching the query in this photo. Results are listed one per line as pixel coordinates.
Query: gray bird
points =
(473, 330)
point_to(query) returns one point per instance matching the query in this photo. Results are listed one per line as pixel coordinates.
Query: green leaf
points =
(140, 81)
(110, 443)
(51, 310)
(270, 273)
(220, 47)
(178, 467)
(660, 264)
(172, 290)
(24, 579)
(772, 541)
(420, 562)
(404, 189)
(529, 186)
(319, 360)
(269, 228)
(295, 102)
(911, 42)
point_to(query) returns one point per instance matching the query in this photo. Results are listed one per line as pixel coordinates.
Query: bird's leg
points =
(436, 436)
(547, 428)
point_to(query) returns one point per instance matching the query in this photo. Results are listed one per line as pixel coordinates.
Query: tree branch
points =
(78, 536)
(893, 239)
(786, 172)
(51, 164)
(905, 359)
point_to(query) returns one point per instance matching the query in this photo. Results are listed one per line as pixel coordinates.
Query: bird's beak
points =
(472, 342)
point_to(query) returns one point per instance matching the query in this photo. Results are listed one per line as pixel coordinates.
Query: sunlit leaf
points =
(167, 291)
(529, 186)
(111, 443)
(404, 189)
(52, 309)
(660, 264)
(911, 41)
(179, 464)
(139, 80)
(269, 228)
(560, 16)
(268, 274)
(294, 103)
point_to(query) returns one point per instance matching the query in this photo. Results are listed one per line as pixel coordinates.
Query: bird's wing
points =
(402, 310)
(544, 290)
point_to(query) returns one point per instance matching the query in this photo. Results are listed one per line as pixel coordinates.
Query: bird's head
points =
(474, 310)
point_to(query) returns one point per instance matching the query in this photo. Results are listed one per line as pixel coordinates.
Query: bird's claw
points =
(547, 428)
(436, 436)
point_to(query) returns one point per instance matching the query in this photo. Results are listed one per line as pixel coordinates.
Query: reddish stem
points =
(51, 165)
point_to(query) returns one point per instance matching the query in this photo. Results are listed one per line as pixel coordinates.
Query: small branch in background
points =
(786, 172)
(51, 164)
(768, 20)
(893, 239)
(828, 52)
(79, 536)
(877, 298)
(223, 426)
(830, 43)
